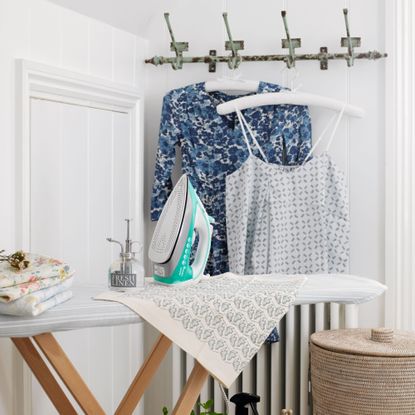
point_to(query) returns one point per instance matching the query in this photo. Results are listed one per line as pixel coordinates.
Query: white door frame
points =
(400, 164)
(37, 80)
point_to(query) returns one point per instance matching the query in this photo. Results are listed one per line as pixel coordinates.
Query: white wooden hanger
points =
(231, 85)
(290, 98)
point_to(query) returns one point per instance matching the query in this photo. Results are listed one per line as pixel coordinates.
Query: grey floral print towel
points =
(221, 321)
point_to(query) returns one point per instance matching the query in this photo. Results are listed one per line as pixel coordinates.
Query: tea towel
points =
(39, 301)
(221, 321)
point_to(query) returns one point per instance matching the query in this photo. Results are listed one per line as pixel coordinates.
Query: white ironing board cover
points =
(221, 321)
(82, 312)
(79, 312)
(339, 288)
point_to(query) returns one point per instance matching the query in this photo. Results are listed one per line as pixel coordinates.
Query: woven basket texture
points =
(351, 374)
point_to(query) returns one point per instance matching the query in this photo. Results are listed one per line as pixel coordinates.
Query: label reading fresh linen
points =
(123, 280)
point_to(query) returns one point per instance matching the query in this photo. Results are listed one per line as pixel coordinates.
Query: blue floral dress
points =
(212, 146)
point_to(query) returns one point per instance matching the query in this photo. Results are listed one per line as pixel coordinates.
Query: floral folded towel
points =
(9, 294)
(41, 267)
(37, 302)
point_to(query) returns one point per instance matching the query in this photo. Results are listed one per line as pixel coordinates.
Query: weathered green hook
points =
(232, 45)
(289, 43)
(177, 47)
(349, 42)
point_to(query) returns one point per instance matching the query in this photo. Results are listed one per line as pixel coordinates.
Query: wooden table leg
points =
(43, 375)
(191, 390)
(69, 375)
(144, 376)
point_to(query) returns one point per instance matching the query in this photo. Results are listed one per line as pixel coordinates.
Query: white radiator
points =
(279, 373)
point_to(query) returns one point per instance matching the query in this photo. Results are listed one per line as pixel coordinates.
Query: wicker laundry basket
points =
(363, 372)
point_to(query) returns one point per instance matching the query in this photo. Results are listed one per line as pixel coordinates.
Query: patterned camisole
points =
(287, 219)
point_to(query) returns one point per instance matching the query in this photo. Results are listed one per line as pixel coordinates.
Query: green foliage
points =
(206, 409)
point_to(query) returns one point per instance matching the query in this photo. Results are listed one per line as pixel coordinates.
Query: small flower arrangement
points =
(18, 260)
(206, 409)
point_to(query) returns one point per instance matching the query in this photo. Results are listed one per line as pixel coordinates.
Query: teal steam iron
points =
(170, 250)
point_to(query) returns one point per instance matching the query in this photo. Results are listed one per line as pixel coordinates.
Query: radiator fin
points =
(279, 373)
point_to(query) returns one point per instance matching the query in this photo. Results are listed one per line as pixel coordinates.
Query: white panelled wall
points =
(359, 144)
(38, 30)
(399, 166)
(73, 210)
(358, 147)
(80, 182)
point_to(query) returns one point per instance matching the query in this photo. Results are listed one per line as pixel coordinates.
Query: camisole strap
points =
(244, 124)
(326, 128)
(335, 128)
(238, 113)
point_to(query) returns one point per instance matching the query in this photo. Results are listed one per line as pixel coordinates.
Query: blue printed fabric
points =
(212, 146)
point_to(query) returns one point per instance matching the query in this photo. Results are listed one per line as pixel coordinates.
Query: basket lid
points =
(375, 342)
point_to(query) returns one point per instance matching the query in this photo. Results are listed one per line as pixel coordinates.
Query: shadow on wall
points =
(133, 16)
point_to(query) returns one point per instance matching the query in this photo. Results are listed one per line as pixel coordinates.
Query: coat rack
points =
(235, 58)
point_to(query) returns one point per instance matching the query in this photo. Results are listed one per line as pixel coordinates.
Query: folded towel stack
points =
(31, 291)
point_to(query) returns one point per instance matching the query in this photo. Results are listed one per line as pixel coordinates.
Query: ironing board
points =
(83, 312)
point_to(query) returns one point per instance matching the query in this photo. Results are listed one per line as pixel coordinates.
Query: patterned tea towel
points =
(37, 302)
(40, 267)
(43, 272)
(221, 321)
(10, 294)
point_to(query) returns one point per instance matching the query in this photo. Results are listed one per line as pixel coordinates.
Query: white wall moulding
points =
(400, 165)
(51, 37)
(37, 80)
(110, 131)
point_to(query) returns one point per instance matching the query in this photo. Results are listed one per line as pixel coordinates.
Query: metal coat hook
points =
(349, 42)
(290, 44)
(232, 45)
(177, 47)
(234, 59)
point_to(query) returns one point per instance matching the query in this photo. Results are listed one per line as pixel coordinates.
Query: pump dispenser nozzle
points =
(126, 273)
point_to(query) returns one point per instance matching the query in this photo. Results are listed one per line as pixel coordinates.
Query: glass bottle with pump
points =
(126, 273)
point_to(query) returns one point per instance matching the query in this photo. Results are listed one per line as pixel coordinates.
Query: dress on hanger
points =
(287, 219)
(211, 148)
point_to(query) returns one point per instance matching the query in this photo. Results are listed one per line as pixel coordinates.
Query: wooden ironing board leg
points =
(191, 390)
(48, 382)
(80, 391)
(69, 375)
(144, 376)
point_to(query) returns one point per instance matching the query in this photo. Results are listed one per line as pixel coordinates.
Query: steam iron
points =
(171, 246)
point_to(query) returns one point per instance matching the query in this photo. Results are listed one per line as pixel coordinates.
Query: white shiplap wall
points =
(73, 210)
(41, 31)
(359, 144)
